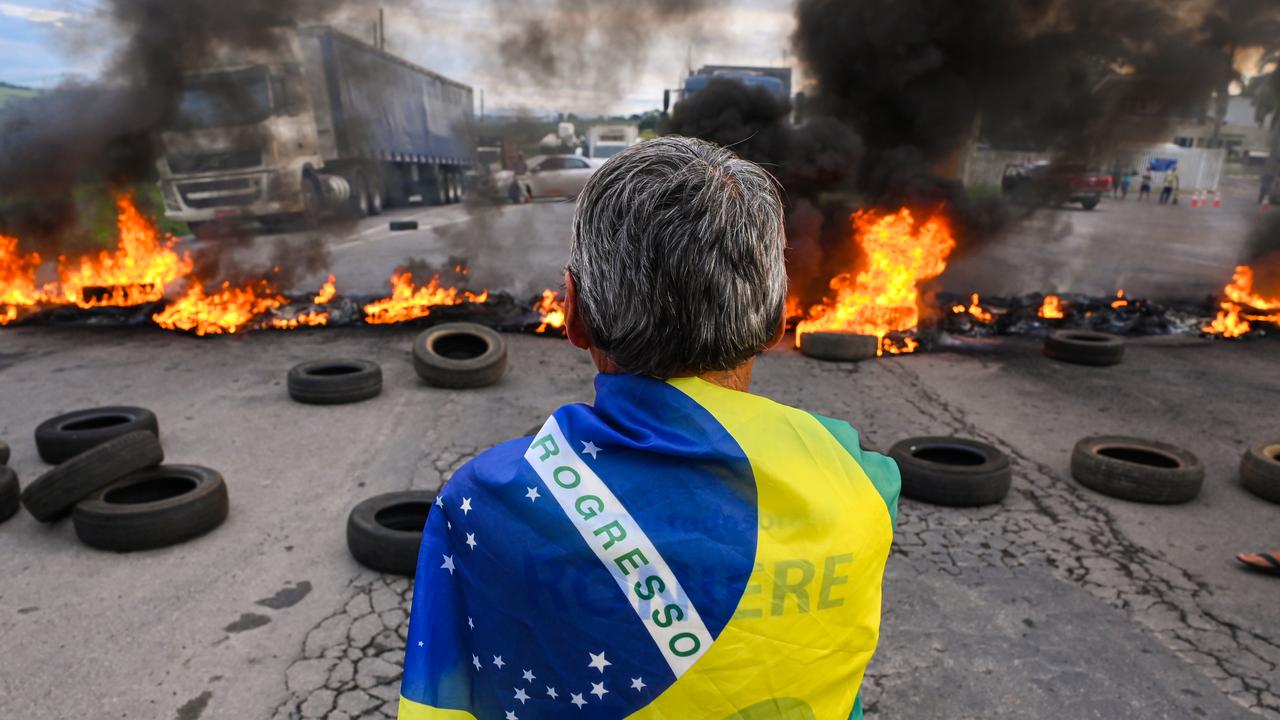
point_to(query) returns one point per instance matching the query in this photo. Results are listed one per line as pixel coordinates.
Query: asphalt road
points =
(1058, 600)
(1152, 251)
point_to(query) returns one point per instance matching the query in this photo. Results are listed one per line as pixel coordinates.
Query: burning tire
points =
(1139, 470)
(334, 382)
(153, 508)
(65, 436)
(839, 346)
(956, 472)
(1084, 347)
(460, 355)
(1260, 471)
(385, 531)
(9, 492)
(53, 494)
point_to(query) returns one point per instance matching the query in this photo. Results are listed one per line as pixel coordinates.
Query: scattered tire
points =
(1139, 470)
(401, 225)
(385, 531)
(9, 492)
(52, 494)
(1084, 347)
(333, 382)
(154, 508)
(839, 346)
(65, 436)
(1260, 471)
(460, 355)
(4, 453)
(956, 472)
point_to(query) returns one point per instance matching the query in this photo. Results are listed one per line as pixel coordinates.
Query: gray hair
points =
(677, 256)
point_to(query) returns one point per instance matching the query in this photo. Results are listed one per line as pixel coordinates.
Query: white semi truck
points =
(321, 123)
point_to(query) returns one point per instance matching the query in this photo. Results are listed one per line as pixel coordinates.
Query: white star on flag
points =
(470, 624)
(497, 660)
(576, 699)
(589, 448)
(521, 695)
(466, 505)
(471, 540)
(529, 676)
(439, 502)
(551, 693)
(637, 683)
(475, 660)
(532, 494)
(598, 690)
(511, 716)
(419, 643)
(448, 563)
(598, 662)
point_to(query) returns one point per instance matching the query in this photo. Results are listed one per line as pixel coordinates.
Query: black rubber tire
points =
(4, 453)
(154, 508)
(1089, 204)
(460, 355)
(65, 436)
(839, 346)
(1084, 347)
(9, 492)
(1176, 479)
(956, 472)
(400, 225)
(55, 492)
(1260, 471)
(334, 382)
(384, 532)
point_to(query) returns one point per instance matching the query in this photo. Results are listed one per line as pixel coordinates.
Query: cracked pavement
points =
(1059, 597)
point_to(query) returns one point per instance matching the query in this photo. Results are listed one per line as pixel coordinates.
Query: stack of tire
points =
(108, 476)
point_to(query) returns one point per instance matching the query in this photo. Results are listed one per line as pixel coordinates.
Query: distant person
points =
(1117, 176)
(520, 167)
(1264, 186)
(1144, 191)
(1168, 193)
(1126, 179)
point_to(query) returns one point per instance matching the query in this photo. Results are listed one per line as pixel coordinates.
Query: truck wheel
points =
(433, 192)
(385, 531)
(377, 196)
(359, 207)
(153, 508)
(1089, 204)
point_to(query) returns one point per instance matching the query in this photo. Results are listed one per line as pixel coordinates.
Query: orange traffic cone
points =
(1217, 200)
(1266, 203)
(1195, 200)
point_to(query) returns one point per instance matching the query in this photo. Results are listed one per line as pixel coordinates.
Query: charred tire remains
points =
(952, 471)
(839, 346)
(65, 436)
(53, 494)
(1139, 470)
(153, 508)
(8, 492)
(1084, 347)
(402, 225)
(1260, 471)
(384, 532)
(460, 355)
(333, 382)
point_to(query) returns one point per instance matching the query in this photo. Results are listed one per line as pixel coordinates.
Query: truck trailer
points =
(320, 123)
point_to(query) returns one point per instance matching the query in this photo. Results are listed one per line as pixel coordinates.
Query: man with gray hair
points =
(681, 548)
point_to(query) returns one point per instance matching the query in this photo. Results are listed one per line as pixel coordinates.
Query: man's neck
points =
(738, 378)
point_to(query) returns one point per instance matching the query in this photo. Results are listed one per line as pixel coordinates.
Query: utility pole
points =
(382, 31)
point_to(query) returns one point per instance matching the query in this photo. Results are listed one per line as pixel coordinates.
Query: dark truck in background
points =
(1054, 184)
(321, 123)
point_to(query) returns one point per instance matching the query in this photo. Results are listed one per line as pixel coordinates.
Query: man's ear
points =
(780, 331)
(574, 326)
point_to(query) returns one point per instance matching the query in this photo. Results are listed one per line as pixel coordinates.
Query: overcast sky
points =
(43, 42)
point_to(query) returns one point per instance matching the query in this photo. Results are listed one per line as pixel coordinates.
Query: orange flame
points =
(975, 309)
(1232, 321)
(1120, 300)
(551, 308)
(138, 271)
(884, 298)
(409, 302)
(227, 310)
(309, 318)
(1052, 308)
(18, 280)
(328, 292)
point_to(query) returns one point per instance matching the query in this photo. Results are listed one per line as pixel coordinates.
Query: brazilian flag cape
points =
(678, 550)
